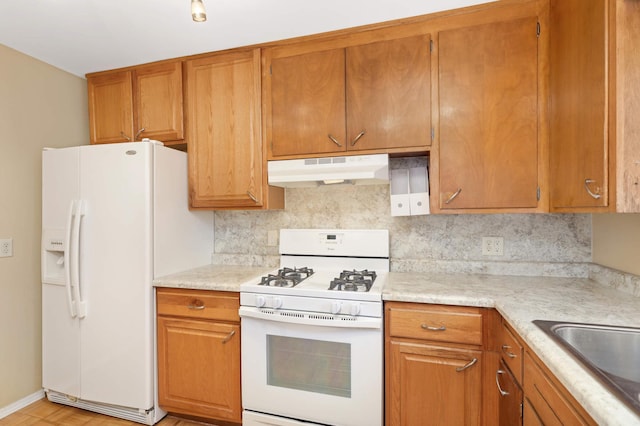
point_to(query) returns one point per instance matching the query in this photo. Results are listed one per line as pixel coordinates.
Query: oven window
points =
(311, 365)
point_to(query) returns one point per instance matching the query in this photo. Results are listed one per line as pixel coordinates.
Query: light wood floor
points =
(46, 413)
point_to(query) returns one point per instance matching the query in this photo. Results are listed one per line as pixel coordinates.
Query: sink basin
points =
(612, 353)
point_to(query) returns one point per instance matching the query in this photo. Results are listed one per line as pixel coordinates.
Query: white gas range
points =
(312, 341)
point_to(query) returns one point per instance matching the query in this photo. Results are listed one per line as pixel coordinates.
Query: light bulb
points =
(197, 11)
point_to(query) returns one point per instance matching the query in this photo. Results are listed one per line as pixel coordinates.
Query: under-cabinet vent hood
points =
(306, 172)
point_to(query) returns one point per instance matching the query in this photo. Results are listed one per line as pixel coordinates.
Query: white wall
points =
(39, 106)
(616, 241)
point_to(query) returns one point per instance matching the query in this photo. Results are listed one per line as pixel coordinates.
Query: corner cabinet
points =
(135, 103)
(227, 166)
(529, 394)
(199, 353)
(359, 94)
(433, 364)
(491, 88)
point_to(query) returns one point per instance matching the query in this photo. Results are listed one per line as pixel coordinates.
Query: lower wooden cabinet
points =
(434, 364)
(548, 403)
(434, 385)
(199, 354)
(510, 401)
(528, 392)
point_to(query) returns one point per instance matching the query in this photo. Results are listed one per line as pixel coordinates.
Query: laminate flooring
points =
(46, 413)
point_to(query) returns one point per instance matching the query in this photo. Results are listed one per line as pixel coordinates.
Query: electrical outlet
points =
(6, 247)
(492, 246)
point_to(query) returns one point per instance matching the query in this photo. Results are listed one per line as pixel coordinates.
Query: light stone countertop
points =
(519, 300)
(213, 277)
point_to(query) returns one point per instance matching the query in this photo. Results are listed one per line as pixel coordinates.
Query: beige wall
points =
(616, 241)
(39, 106)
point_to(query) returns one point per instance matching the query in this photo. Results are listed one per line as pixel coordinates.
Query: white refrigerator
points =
(113, 217)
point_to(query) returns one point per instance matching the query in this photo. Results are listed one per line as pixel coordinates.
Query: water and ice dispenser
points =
(53, 250)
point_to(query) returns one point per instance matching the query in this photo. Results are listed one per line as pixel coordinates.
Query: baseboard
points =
(18, 405)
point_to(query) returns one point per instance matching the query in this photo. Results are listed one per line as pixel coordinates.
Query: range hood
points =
(308, 172)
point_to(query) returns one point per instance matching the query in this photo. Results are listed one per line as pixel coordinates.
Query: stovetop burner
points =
(286, 277)
(353, 281)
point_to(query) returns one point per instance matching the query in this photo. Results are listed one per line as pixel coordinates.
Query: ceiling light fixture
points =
(198, 14)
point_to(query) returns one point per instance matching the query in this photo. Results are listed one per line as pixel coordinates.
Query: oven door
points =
(315, 371)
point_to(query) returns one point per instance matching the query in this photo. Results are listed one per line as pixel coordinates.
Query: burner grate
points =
(286, 277)
(353, 281)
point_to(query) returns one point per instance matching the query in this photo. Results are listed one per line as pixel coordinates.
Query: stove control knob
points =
(355, 309)
(335, 307)
(277, 302)
(260, 301)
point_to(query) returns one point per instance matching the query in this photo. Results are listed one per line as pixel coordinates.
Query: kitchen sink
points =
(612, 353)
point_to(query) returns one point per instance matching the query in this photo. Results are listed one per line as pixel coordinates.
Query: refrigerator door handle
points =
(81, 306)
(67, 258)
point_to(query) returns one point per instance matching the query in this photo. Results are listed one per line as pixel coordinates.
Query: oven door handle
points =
(310, 318)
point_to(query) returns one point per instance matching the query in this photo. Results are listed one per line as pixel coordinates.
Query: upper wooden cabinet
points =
(594, 93)
(578, 95)
(362, 97)
(110, 107)
(490, 107)
(226, 157)
(142, 102)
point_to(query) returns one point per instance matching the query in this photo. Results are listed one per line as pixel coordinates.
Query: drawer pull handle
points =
(229, 336)
(454, 195)
(502, 392)
(137, 136)
(357, 138)
(334, 140)
(509, 353)
(596, 194)
(253, 197)
(430, 328)
(196, 305)
(469, 364)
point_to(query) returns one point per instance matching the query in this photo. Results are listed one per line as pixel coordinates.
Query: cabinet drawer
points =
(198, 304)
(437, 323)
(511, 351)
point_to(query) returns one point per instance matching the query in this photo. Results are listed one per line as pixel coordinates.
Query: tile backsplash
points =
(534, 244)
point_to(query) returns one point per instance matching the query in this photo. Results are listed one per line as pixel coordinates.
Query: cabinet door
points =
(510, 402)
(157, 92)
(199, 368)
(578, 108)
(488, 115)
(308, 103)
(224, 128)
(389, 94)
(110, 107)
(431, 385)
